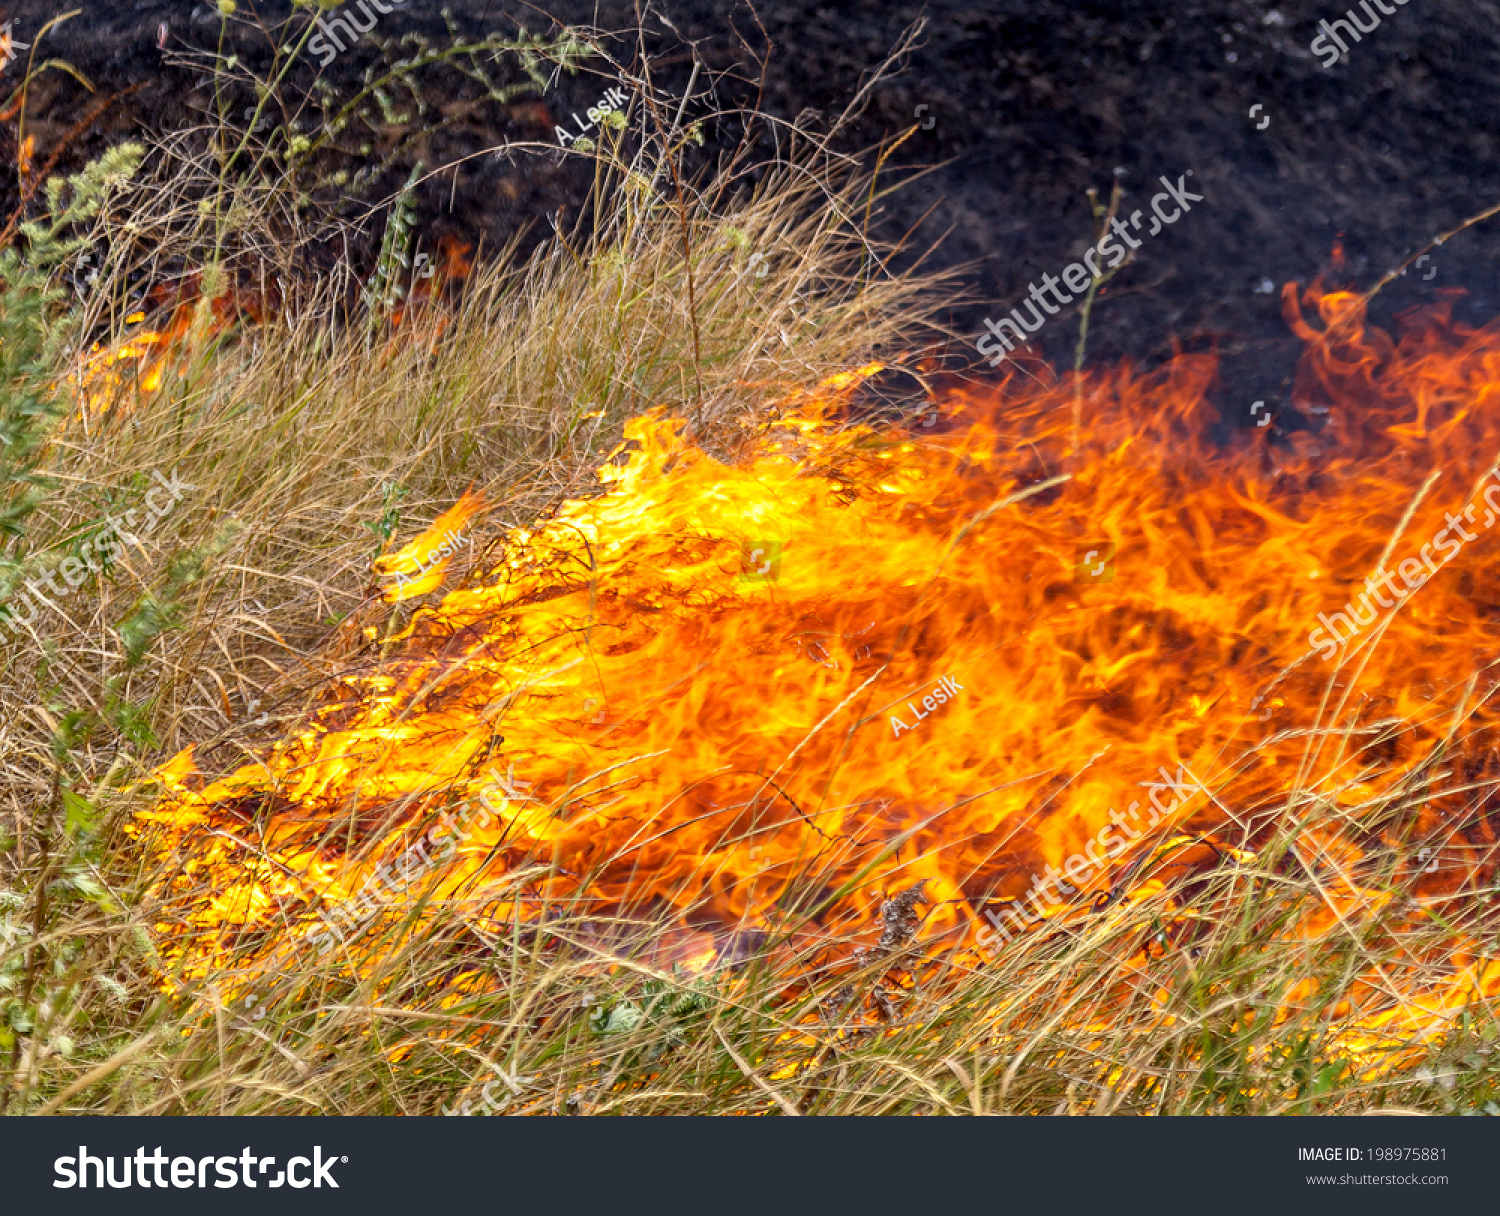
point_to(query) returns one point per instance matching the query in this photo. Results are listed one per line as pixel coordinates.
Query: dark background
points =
(1247, 1166)
(1034, 101)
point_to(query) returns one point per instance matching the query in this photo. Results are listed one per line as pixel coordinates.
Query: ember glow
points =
(137, 363)
(115, 376)
(677, 697)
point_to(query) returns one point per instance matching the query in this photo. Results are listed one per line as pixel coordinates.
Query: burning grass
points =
(694, 777)
(311, 448)
(709, 875)
(699, 805)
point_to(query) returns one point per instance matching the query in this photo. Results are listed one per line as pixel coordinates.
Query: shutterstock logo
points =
(188, 1172)
(9, 46)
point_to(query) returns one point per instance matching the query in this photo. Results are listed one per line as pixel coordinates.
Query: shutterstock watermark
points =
(451, 543)
(1094, 563)
(1112, 841)
(391, 882)
(192, 1173)
(1353, 27)
(1078, 276)
(947, 689)
(105, 546)
(499, 1103)
(344, 20)
(1414, 574)
(614, 99)
(760, 561)
(391, 879)
(9, 46)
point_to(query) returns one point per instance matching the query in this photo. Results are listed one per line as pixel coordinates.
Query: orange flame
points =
(137, 365)
(452, 266)
(420, 566)
(694, 691)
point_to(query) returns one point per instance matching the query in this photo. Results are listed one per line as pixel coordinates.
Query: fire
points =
(420, 566)
(136, 365)
(714, 687)
(431, 280)
(139, 362)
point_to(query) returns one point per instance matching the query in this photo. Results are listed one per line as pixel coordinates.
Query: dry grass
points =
(548, 1021)
(293, 437)
(310, 445)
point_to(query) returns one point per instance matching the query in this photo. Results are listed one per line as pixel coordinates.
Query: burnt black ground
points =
(1031, 102)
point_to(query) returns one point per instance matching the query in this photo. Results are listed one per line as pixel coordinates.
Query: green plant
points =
(388, 288)
(34, 329)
